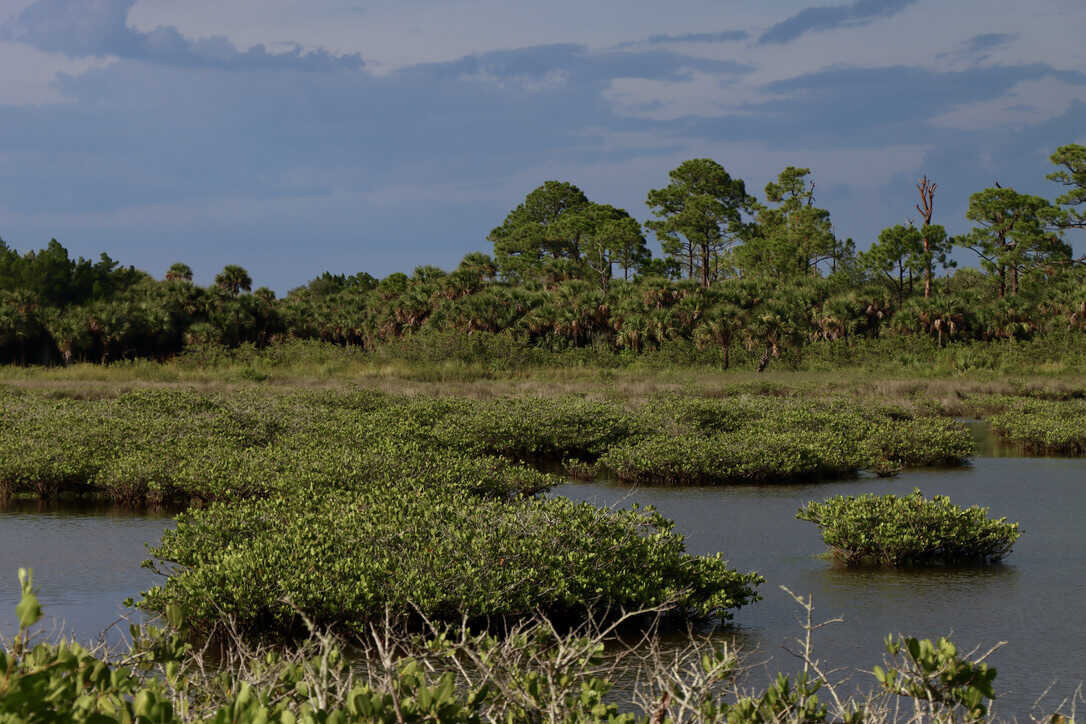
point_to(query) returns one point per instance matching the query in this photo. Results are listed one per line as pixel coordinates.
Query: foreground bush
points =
(346, 558)
(452, 676)
(909, 530)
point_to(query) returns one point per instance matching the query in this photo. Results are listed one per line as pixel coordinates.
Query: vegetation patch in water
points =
(179, 445)
(348, 558)
(538, 428)
(769, 439)
(176, 445)
(1056, 427)
(909, 530)
(717, 459)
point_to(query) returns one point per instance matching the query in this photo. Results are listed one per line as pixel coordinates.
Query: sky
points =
(295, 137)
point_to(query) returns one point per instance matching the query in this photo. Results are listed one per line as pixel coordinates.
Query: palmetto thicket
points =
(569, 273)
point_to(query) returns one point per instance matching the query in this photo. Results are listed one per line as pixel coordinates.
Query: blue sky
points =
(295, 137)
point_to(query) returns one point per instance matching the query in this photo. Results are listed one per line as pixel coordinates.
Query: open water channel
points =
(87, 560)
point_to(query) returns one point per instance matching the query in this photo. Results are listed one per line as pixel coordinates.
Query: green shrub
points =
(937, 678)
(693, 414)
(345, 558)
(535, 428)
(177, 445)
(909, 530)
(719, 459)
(452, 675)
(918, 442)
(765, 440)
(1041, 426)
(50, 446)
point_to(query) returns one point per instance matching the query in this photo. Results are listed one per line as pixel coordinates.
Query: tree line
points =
(570, 272)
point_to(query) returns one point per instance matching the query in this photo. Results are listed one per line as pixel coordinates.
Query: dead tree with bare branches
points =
(926, 207)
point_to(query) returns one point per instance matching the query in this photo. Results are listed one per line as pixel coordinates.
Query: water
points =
(1035, 600)
(87, 560)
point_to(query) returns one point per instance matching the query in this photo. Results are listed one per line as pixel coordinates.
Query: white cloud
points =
(926, 36)
(550, 80)
(28, 76)
(699, 93)
(929, 35)
(391, 34)
(1027, 103)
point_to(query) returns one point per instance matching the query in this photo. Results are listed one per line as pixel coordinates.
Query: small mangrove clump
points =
(1050, 427)
(909, 530)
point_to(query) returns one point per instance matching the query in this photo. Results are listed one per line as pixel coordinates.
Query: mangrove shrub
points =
(346, 558)
(909, 530)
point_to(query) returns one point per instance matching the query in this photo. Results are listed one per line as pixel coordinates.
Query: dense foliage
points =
(176, 445)
(348, 559)
(452, 676)
(349, 506)
(766, 439)
(909, 530)
(740, 278)
(1041, 426)
(161, 446)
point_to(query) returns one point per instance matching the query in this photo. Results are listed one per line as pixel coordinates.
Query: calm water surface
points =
(1035, 600)
(87, 560)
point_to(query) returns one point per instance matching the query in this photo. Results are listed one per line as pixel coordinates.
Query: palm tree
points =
(179, 272)
(69, 330)
(460, 283)
(933, 316)
(1076, 315)
(718, 327)
(412, 308)
(479, 265)
(772, 325)
(631, 331)
(234, 279)
(839, 317)
(20, 320)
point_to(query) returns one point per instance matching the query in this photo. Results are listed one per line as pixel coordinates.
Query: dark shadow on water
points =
(991, 445)
(70, 506)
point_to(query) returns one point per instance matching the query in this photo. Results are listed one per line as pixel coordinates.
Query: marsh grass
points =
(953, 395)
